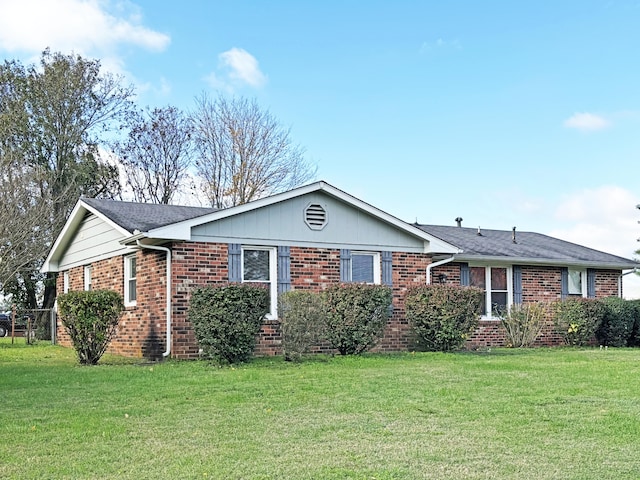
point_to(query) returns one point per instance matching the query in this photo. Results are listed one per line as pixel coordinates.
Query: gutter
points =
(495, 259)
(437, 264)
(167, 351)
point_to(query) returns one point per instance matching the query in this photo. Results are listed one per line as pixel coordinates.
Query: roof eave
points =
(548, 262)
(68, 231)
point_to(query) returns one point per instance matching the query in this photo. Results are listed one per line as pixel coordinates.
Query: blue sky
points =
(505, 113)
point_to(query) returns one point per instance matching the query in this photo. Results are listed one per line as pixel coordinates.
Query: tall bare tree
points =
(156, 154)
(53, 118)
(243, 153)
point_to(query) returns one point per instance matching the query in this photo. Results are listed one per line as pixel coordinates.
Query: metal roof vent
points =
(315, 216)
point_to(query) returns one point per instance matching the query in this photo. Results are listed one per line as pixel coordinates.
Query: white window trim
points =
(583, 281)
(273, 276)
(377, 270)
(487, 281)
(127, 278)
(65, 281)
(87, 277)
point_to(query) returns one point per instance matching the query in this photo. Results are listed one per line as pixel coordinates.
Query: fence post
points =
(13, 322)
(52, 315)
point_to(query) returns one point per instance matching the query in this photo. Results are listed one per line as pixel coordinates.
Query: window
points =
(130, 280)
(577, 283)
(259, 266)
(65, 282)
(87, 277)
(365, 267)
(496, 282)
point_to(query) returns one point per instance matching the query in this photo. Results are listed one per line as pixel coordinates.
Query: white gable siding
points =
(94, 240)
(283, 224)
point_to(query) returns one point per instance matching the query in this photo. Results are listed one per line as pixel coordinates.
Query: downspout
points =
(167, 351)
(437, 264)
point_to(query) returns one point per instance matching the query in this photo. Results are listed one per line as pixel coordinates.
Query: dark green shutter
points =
(465, 276)
(235, 263)
(345, 265)
(517, 284)
(284, 269)
(387, 262)
(564, 282)
(591, 283)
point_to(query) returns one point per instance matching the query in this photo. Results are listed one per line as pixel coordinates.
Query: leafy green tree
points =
(54, 117)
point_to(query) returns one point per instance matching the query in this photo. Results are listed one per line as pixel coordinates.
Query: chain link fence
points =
(30, 324)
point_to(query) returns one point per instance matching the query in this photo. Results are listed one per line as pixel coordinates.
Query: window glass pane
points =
(498, 278)
(362, 268)
(575, 282)
(256, 265)
(477, 277)
(132, 267)
(87, 278)
(132, 290)
(498, 302)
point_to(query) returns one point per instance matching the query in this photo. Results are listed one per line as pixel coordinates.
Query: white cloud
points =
(85, 27)
(604, 218)
(586, 122)
(440, 44)
(238, 67)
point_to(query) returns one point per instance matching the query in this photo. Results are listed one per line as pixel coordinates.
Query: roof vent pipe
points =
(479, 232)
(459, 221)
(513, 235)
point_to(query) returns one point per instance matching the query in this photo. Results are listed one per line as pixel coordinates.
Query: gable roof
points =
(529, 248)
(144, 216)
(182, 230)
(124, 217)
(170, 222)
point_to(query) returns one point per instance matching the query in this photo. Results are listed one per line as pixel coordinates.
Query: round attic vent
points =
(315, 216)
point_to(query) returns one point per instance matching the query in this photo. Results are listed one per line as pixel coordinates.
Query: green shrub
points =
(576, 320)
(302, 322)
(226, 320)
(617, 323)
(356, 315)
(443, 316)
(90, 318)
(634, 337)
(523, 323)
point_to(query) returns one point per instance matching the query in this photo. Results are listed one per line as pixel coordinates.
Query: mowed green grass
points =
(526, 414)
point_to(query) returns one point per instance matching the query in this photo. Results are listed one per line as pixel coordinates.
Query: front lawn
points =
(547, 413)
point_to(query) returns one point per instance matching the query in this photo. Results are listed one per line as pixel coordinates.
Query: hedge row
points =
(226, 320)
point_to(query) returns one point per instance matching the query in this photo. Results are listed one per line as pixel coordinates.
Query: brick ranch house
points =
(306, 238)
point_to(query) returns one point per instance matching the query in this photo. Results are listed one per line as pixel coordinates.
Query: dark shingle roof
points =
(529, 245)
(492, 244)
(144, 216)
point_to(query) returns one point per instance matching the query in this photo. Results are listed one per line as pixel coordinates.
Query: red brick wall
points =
(539, 284)
(193, 265)
(408, 270)
(141, 332)
(607, 283)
